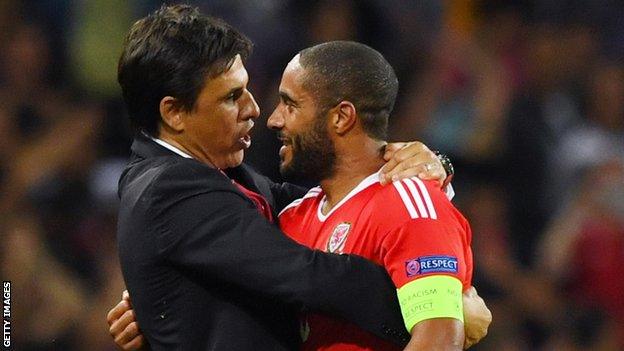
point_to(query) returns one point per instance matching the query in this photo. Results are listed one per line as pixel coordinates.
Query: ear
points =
(343, 117)
(171, 113)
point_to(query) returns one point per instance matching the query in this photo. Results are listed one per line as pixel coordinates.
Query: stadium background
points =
(526, 96)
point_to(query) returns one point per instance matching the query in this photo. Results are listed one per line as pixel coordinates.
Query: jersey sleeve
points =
(429, 260)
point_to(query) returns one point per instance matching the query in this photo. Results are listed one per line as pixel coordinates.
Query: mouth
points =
(284, 139)
(286, 145)
(245, 140)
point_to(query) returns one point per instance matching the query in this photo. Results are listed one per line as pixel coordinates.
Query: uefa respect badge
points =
(431, 264)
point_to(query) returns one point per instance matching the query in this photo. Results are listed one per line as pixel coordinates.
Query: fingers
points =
(472, 295)
(413, 167)
(402, 151)
(116, 312)
(136, 344)
(471, 341)
(431, 171)
(128, 335)
(471, 292)
(392, 148)
(468, 342)
(125, 328)
(385, 176)
(392, 158)
(409, 160)
(477, 317)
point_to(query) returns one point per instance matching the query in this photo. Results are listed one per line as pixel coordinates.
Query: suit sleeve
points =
(220, 235)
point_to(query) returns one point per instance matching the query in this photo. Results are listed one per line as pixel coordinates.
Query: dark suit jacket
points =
(207, 272)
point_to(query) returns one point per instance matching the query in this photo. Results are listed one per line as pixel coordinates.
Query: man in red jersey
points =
(335, 99)
(332, 117)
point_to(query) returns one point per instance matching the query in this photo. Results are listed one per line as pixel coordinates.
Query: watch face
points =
(446, 163)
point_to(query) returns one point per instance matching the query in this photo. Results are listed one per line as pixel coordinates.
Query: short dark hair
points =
(349, 71)
(171, 52)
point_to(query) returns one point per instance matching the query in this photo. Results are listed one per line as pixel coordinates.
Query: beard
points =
(313, 154)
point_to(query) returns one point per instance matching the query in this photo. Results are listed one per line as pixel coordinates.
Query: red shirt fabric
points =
(400, 226)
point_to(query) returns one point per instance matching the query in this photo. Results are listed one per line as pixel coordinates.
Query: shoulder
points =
(182, 174)
(246, 175)
(171, 179)
(420, 212)
(407, 200)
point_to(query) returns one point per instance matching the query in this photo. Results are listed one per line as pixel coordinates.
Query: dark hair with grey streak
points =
(171, 52)
(348, 71)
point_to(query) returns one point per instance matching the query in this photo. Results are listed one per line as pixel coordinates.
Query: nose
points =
(276, 119)
(253, 110)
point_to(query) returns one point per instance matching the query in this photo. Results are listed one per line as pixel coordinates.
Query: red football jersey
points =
(409, 227)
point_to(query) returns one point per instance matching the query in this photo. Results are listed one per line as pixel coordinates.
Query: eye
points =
(287, 101)
(235, 95)
(289, 104)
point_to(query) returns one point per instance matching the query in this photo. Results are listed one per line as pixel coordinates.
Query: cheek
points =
(298, 145)
(228, 130)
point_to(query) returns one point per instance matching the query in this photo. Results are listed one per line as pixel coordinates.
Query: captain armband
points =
(436, 296)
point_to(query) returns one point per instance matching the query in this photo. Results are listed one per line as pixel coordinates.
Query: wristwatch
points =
(448, 166)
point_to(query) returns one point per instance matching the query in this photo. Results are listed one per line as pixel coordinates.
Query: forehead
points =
(292, 79)
(294, 68)
(235, 76)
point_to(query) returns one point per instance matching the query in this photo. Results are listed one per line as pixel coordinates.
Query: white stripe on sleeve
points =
(406, 200)
(417, 198)
(425, 194)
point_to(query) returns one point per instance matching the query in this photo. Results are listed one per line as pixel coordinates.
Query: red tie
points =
(261, 203)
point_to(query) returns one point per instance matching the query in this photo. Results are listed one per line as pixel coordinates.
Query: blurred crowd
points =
(527, 97)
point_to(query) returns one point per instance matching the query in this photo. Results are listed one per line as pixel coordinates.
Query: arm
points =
(221, 235)
(404, 160)
(440, 334)
(432, 310)
(430, 262)
(127, 335)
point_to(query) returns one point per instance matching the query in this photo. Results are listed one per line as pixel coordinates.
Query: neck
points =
(358, 160)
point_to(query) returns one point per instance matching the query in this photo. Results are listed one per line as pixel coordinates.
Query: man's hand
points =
(477, 317)
(123, 326)
(411, 159)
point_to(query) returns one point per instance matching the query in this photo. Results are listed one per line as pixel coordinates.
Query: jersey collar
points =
(368, 181)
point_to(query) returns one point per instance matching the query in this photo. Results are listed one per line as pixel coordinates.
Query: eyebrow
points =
(286, 98)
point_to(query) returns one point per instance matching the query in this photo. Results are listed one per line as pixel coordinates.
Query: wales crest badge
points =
(337, 240)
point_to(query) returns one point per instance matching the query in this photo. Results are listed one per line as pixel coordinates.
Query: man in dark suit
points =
(206, 267)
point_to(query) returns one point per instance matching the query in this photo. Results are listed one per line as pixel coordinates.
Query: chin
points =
(284, 167)
(289, 173)
(235, 159)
